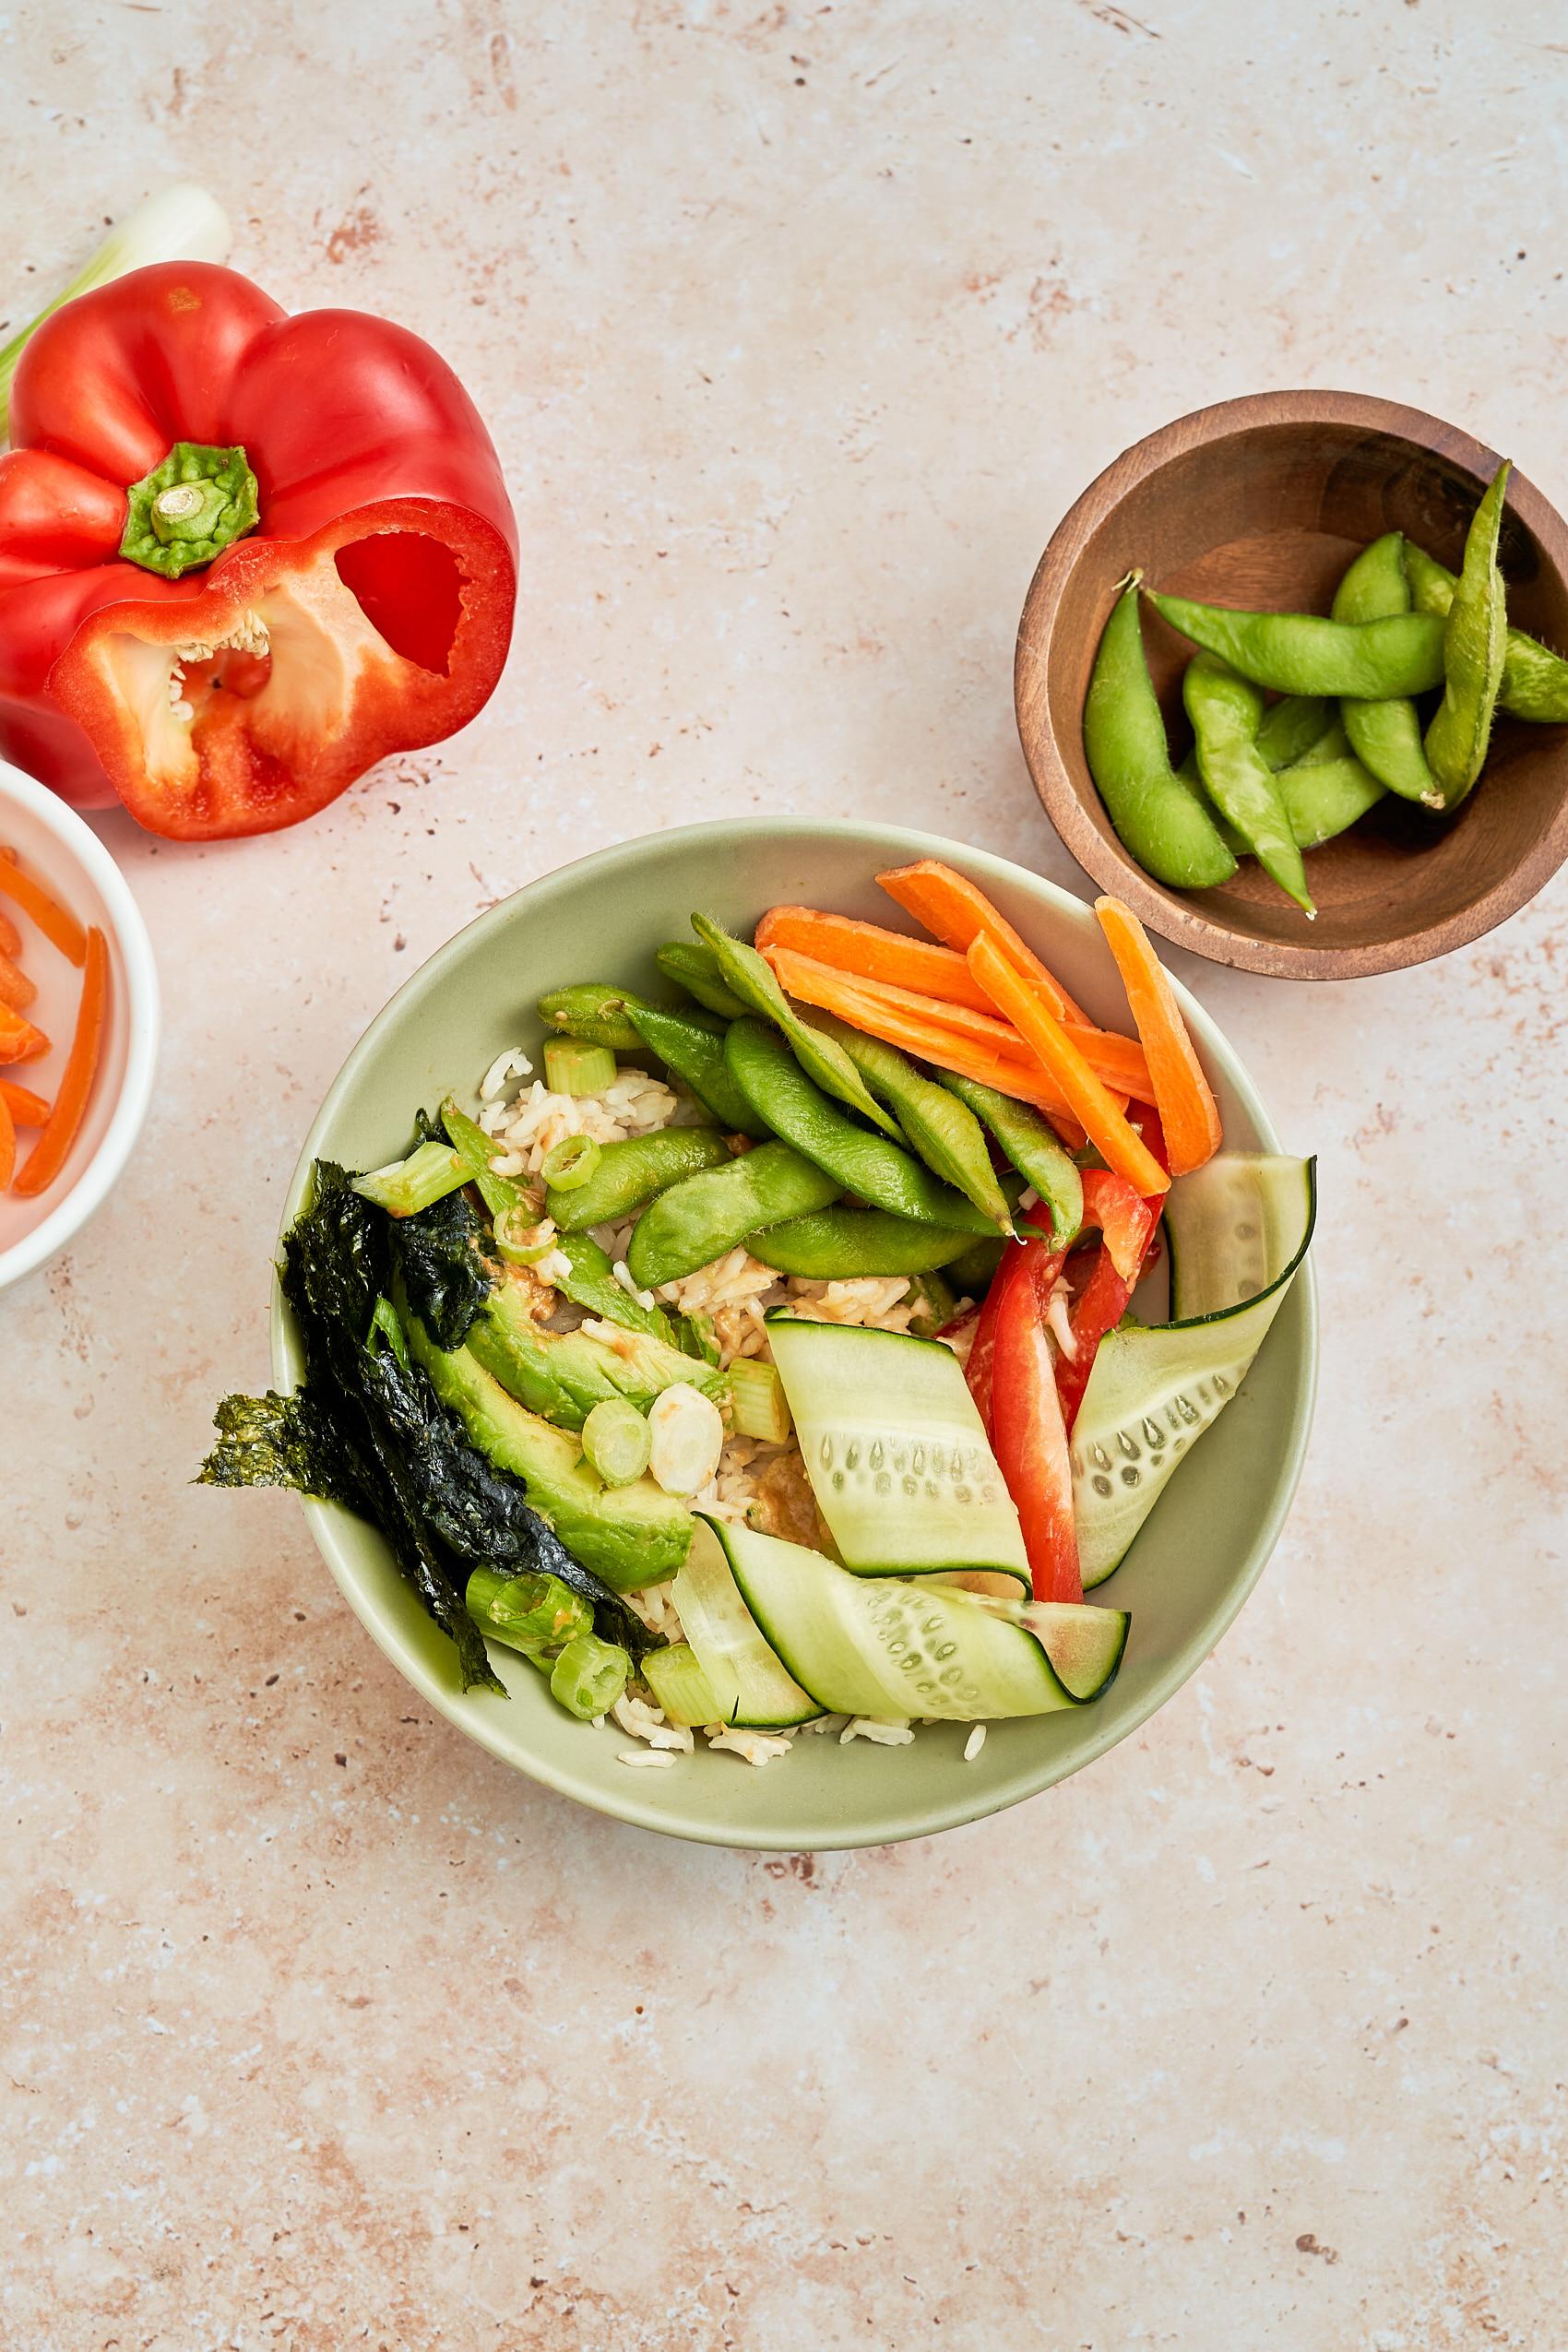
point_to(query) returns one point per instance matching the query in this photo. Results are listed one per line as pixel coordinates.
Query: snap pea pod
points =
(945, 1133)
(1124, 742)
(595, 1011)
(1475, 642)
(1535, 680)
(1292, 727)
(695, 1053)
(1225, 709)
(837, 1244)
(699, 1219)
(1301, 653)
(1386, 735)
(869, 1165)
(695, 970)
(631, 1172)
(1032, 1148)
(745, 973)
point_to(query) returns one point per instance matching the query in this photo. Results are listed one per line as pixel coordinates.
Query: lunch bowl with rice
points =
(457, 1034)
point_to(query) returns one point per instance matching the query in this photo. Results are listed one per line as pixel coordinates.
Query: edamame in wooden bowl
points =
(1262, 505)
(1196, 1556)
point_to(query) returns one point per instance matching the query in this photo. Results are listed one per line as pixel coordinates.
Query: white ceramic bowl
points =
(68, 858)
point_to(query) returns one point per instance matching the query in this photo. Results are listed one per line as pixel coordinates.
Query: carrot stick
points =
(16, 990)
(29, 1109)
(873, 955)
(1087, 1099)
(813, 983)
(52, 920)
(19, 1041)
(10, 937)
(8, 1145)
(1118, 1062)
(47, 1157)
(960, 914)
(1182, 1096)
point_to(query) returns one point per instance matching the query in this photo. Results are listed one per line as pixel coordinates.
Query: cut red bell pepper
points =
(1028, 1434)
(1127, 1225)
(979, 1367)
(226, 677)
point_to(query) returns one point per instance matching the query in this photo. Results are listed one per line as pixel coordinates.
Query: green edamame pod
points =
(699, 1219)
(631, 1172)
(1475, 643)
(837, 1244)
(476, 1149)
(935, 1303)
(1301, 653)
(1124, 742)
(1535, 680)
(697, 970)
(593, 1010)
(947, 1135)
(1225, 709)
(869, 1165)
(972, 1275)
(1292, 727)
(751, 978)
(590, 1282)
(1033, 1150)
(1322, 793)
(695, 1053)
(1386, 736)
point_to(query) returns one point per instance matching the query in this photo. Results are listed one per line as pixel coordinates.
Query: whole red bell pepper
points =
(1028, 1435)
(243, 556)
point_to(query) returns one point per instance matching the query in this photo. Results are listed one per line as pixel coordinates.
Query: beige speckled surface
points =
(798, 329)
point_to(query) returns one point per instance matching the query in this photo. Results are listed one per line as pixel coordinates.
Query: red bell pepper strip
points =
(1029, 1435)
(368, 611)
(981, 1365)
(1127, 1225)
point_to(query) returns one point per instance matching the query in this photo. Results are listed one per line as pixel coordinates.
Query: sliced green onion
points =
(688, 1438)
(182, 224)
(405, 1186)
(589, 1675)
(758, 1395)
(617, 1441)
(571, 1164)
(571, 1068)
(521, 1238)
(534, 1612)
(682, 1690)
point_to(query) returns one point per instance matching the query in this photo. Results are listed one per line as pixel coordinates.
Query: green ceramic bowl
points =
(1195, 1559)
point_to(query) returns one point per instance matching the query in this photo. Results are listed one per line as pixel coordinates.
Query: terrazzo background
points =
(798, 330)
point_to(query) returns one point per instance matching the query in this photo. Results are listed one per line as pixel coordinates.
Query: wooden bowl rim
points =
(1104, 859)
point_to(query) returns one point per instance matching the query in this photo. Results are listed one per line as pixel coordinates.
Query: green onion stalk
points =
(182, 224)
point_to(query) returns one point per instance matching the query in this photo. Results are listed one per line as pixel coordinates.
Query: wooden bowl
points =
(1262, 502)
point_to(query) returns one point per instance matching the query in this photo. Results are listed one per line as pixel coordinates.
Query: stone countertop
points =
(799, 328)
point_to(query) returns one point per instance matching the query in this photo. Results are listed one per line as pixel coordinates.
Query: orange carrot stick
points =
(47, 1157)
(958, 913)
(52, 920)
(1118, 1062)
(17, 990)
(871, 954)
(1182, 1096)
(8, 1145)
(19, 1041)
(29, 1109)
(10, 937)
(1087, 1098)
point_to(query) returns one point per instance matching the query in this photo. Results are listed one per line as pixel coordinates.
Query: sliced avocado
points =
(564, 1374)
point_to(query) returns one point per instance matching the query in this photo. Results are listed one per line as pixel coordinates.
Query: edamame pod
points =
(1301, 653)
(699, 1221)
(744, 971)
(695, 970)
(946, 1133)
(1386, 736)
(1475, 643)
(1225, 709)
(869, 1165)
(1535, 680)
(593, 1010)
(1292, 727)
(837, 1244)
(1124, 742)
(1033, 1150)
(1323, 793)
(695, 1053)
(632, 1172)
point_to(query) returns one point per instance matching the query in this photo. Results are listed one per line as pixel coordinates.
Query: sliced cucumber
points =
(1238, 1230)
(896, 1451)
(879, 1646)
(747, 1679)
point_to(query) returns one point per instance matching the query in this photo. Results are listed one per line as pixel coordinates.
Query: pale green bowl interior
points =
(1192, 1566)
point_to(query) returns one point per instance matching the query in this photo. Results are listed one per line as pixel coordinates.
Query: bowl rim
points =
(638, 1807)
(144, 1009)
(1105, 861)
